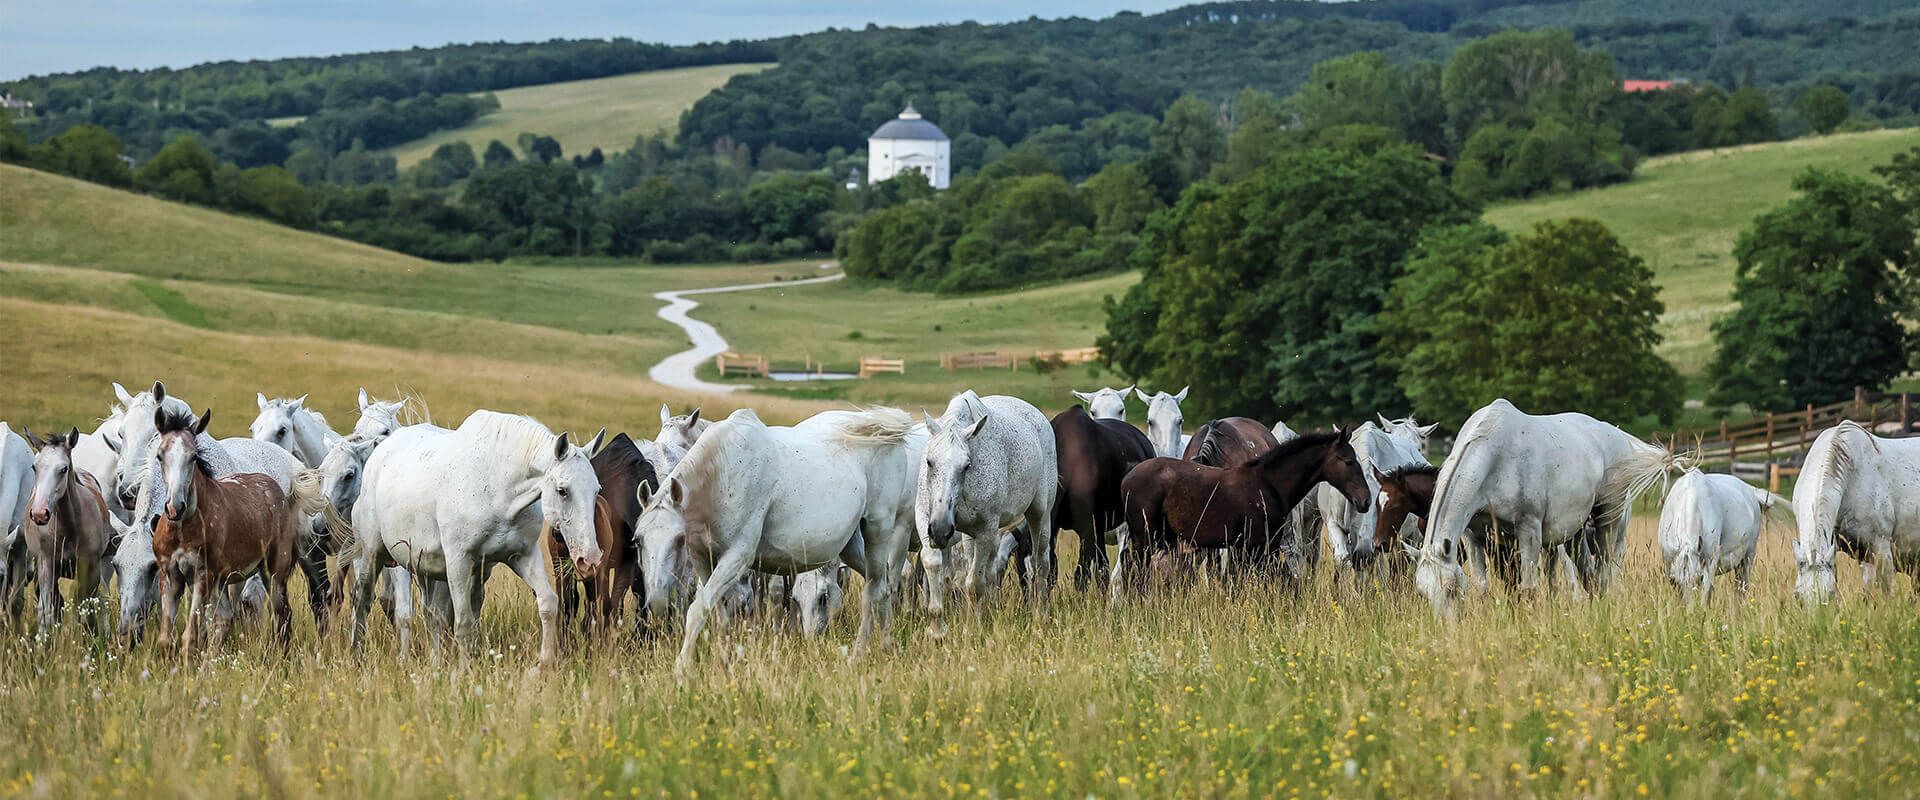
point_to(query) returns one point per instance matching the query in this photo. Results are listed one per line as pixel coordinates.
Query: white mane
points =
(520, 438)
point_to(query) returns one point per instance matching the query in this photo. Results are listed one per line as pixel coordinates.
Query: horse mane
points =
(621, 458)
(1292, 447)
(173, 420)
(876, 427)
(1405, 470)
(1209, 452)
(520, 435)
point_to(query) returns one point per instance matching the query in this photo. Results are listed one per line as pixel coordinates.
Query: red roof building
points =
(1645, 86)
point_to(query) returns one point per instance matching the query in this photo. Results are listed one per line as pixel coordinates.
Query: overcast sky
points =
(41, 36)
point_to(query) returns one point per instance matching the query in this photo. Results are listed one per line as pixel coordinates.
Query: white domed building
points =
(910, 143)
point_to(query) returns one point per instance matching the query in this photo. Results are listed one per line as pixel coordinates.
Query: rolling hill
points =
(603, 112)
(98, 285)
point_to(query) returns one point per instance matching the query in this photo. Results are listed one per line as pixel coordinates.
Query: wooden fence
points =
(1079, 355)
(873, 365)
(978, 360)
(731, 363)
(1771, 446)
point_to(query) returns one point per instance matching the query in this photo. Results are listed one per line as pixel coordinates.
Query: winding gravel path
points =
(677, 370)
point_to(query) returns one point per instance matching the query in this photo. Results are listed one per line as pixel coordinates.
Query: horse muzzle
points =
(40, 516)
(587, 565)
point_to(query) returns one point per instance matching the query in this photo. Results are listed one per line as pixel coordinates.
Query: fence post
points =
(1773, 477)
(1732, 449)
(1769, 437)
(1859, 402)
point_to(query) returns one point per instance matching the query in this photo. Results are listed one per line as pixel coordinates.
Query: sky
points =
(42, 36)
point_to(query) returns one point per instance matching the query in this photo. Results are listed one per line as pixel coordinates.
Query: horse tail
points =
(306, 499)
(1646, 466)
(877, 426)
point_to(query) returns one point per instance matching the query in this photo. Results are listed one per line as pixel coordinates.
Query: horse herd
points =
(713, 518)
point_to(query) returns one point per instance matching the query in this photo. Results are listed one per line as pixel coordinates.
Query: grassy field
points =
(96, 276)
(603, 112)
(1682, 213)
(1194, 691)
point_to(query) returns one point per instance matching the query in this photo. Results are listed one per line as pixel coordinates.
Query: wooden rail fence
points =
(978, 360)
(731, 363)
(1772, 446)
(874, 365)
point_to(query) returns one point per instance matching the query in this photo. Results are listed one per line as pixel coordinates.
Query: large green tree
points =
(1560, 319)
(1263, 294)
(87, 152)
(183, 171)
(1825, 107)
(1823, 284)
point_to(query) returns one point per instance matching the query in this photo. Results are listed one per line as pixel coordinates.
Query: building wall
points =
(885, 156)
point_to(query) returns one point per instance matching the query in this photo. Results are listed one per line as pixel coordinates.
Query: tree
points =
(1363, 88)
(788, 205)
(1121, 199)
(1726, 120)
(1263, 294)
(87, 152)
(13, 143)
(182, 171)
(498, 154)
(1823, 284)
(1190, 138)
(1561, 319)
(1825, 107)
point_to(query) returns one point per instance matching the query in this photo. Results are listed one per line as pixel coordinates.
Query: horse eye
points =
(562, 491)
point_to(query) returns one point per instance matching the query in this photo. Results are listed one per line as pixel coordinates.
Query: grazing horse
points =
(1105, 402)
(1861, 493)
(1388, 446)
(1164, 420)
(1094, 455)
(622, 470)
(990, 464)
(1174, 502)
(784, 501)
(67, 529)
(681, 431)
(222, 531)
(1229, 442)
(450, 504)
(294, 427)
(1558, 479)
(340, 475)
(818, 595)
(16, 488)
(1405, 491)
(1711, 524)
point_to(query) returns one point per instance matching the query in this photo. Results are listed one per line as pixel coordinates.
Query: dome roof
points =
(910, 125)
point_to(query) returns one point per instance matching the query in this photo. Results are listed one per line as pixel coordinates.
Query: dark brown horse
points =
(222, 531)
(1174, 503)
(1229, 442)
(67, 529)
(1095, 455)
(622, 469)
(1404, 492)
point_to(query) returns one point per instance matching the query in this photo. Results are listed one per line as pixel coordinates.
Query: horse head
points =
(661, 533)
(53, 473)
(1164, 419)
(1105, 402)
(567, 491)
(942, 474)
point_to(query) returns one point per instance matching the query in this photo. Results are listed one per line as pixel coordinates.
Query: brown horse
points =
(1095, 455)
(622, 469)
(1404, 492)
(223, 530)
(67, 529)
(1174, 503)
(1229, 442)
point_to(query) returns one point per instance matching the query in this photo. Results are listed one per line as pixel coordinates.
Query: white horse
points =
(1709, 526)
(681, 431)
(1859, 492)
(784, 501)
(98, 453)
(990, 465)
(139, 481)
(1164, 420)
(818, 595)
(1385, 447)
(379, 417)
(293, 427)
(1559, 479)
(449, 505)
(340, 476)
(1284, 434)
(16, 490)
(1106, 402)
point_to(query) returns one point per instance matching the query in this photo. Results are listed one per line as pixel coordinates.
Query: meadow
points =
(1209, 690)
(602, 112)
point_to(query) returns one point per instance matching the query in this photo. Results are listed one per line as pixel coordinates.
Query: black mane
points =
(1405, 470)
(1292, 447)
(171, 420)
(621, 459)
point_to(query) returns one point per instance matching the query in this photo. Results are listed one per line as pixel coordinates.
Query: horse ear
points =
(1378, 476)
(677, 492)
(1427, 430)
(159, 392)
(665, 414)
(260, 399)
(1084, 397)
(362, 401)
(693, 418)
(200, 425)
(113, 441)
(560, 445)
(933, 425)
(299, 402)
(159, 417)
(33, 441)
(1131, 387)
(594, 445)
(364, 448)
(121, 393)
(1182, 394)
(977, 427)
(1142, 395)
(73, 438)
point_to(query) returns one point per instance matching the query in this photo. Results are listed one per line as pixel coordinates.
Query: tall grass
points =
(1203, 690)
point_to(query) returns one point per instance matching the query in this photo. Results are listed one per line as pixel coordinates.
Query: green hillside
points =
(604, 112)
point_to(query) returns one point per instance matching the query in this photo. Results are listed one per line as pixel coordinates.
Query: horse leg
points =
(531, 569)
(707, 599)
(195, 609)
(437, 602)
(313, 564)
(47, 586)
(1883, 564)
(880, 563)
(1527, 544)
(933, 561)
(1573, 572)
(462, 576)
(366, 570)
(1040, 522)
(980, 547)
